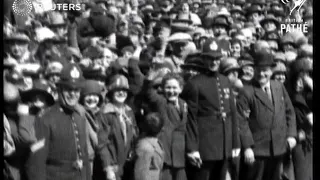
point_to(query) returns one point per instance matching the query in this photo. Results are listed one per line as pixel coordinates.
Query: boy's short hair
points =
(153, 124)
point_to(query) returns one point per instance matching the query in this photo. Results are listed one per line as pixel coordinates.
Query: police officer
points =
(61, 150)
(212, 135)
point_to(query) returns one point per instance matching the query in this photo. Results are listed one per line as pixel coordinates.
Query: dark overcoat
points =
(112, 149)
(265, 126)
(173, 134)
(212, 127)
(55, 159)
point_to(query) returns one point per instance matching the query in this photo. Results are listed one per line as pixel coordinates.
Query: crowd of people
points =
(158, 90)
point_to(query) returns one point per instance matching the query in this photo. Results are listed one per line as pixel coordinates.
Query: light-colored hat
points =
(180, 37)
(229, 64)
(280, 67)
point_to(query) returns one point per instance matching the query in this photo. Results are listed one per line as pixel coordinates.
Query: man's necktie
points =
(268, 91)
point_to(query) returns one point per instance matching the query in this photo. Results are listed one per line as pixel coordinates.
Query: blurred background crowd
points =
(110, 91)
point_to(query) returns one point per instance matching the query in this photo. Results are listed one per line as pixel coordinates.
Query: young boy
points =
(149, 152)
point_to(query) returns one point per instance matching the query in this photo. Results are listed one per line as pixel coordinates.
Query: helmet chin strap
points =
(62, 100)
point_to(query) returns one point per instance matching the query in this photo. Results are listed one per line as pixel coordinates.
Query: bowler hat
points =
(253, 9)
(222, 21)
(264, 58)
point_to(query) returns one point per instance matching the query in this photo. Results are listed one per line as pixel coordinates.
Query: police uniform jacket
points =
(173, 132)
(212, 127)
(55, 159)
(265, 126)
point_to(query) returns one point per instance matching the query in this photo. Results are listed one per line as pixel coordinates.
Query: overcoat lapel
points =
(263, 97)
(276, 94)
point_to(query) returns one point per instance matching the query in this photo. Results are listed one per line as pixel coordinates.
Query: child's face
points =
(172, 90)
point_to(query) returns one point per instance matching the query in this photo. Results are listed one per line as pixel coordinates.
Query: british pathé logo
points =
(294, 25)
(295, 4)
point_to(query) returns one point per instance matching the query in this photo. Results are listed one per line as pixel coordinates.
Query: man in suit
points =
(267, 123)
(212, 128)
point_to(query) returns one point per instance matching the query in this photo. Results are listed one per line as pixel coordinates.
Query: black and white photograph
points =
(158, 89)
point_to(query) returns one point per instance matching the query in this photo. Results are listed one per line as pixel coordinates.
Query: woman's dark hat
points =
(194, 61)
(40, 87)
(91, 87)
(270, 18)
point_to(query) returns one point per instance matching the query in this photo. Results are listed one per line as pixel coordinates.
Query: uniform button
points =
(79, 147)
(61, 109)
(76, 132)
(221, 102)
(222, 108)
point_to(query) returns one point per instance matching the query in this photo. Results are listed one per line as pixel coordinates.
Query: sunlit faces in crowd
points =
(195, 7)
(179, 48)
(70, 95)
(263, 74)
(219, 30)
(119, 96)
(213, 63)
(17, 48)
(273, 46)
(163, 33)
(61, 30)
(106, 58)
(166, 5)
(254, 17)
(235, 48)
(247, 72)
(91, 101)
(269, 26)
(279, 76)
(172, 87)
(261, 45)
(248, 35)
(185, 8)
